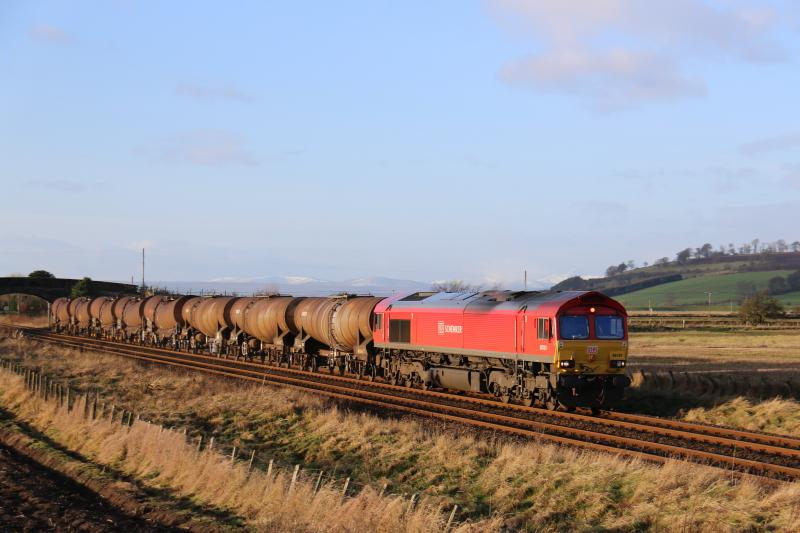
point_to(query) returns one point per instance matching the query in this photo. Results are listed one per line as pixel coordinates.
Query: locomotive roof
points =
(547, 301)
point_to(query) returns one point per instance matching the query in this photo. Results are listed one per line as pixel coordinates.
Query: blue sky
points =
(421, 140)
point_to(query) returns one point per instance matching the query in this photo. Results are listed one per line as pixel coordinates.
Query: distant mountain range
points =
(305, 286)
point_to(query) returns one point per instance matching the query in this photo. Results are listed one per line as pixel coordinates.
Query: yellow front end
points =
(587, 357)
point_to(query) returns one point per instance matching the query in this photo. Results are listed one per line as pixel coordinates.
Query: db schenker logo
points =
(443, 328)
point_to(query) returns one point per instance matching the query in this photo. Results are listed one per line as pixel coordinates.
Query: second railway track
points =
(639, 436)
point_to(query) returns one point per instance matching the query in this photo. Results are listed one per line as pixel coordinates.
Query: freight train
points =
(555, 349)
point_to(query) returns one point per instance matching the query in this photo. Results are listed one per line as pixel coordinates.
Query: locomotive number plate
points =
(591, 350)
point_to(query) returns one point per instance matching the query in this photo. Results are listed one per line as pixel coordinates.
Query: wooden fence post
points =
(413, 502)
(294, 477)
(233, 455)
(319, 481)
(346, 486)
(200, 443)
(269, 469)
(250, 463)
(383, 489)
(452, 517)
(210, 445)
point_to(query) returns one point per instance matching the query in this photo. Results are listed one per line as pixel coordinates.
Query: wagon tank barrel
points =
(169, 313)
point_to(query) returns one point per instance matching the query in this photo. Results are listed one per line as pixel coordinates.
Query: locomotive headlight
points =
(617, 363)
(567, 364)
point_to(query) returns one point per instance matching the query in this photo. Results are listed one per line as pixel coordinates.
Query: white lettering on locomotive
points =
(443, 328)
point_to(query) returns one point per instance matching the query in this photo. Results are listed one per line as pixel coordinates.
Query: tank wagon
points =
(554, 349)
(59, 314)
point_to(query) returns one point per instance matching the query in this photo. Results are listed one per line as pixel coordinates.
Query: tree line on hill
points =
(707, 251)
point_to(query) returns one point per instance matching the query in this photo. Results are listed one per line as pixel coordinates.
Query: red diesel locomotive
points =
(552, 348)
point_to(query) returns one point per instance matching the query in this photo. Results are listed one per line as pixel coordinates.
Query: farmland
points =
(726, 291)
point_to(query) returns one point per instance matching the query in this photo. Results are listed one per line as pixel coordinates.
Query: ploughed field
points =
(36, 498)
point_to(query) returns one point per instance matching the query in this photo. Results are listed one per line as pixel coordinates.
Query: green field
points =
(693, 292)
(790, 299)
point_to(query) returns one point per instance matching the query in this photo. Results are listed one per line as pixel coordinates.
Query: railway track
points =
(643, 437)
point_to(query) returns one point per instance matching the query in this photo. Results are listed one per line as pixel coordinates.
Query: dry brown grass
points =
(165, 459)
(773, 416)
(24, 321)
(526, 485)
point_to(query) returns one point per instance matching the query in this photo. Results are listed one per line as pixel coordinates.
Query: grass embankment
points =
(773, 416)
(523, 485)
(693, 292)
(165, 460)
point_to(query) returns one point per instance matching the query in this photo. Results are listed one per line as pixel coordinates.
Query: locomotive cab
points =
(591, 353)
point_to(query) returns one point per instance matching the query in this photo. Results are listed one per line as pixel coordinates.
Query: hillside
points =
(726, 290)
(638, 279)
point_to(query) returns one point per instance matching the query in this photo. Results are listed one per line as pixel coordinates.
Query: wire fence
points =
(91, 406)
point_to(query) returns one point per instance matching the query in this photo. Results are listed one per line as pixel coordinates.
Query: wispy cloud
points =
(729, 179)
(65, 186)
(786, 141)
(46, 33)
(791, 176)
(212, 93)
(619, 53)
(204, 147)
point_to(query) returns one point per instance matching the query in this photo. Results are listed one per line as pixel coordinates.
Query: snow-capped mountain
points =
(307, 286)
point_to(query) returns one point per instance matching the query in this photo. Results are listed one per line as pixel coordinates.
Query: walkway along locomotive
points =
(549, 348)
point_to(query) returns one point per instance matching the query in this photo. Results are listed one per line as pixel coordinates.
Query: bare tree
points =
(795, 246)
(269, 290)
(755, 242)
(455, 285)
(704, 251)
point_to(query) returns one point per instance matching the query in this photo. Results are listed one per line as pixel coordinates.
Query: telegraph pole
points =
(526, 279)
(142, 271)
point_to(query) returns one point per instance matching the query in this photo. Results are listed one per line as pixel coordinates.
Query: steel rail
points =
(548, 431)
(737, 439)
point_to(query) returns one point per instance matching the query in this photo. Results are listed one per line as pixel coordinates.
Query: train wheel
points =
(551, 404)
(595, 411)
(527, 402)
(571, 409)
